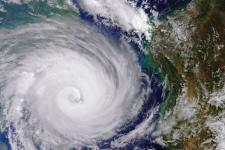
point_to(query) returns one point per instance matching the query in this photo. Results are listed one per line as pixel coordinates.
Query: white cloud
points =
(120, 13)
(14, 1)
(217, 125)
(218, 98)
(183, 110)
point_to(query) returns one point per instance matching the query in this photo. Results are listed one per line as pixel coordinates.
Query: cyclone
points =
(66, 84)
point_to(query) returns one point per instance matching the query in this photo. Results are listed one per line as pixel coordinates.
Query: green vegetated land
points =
(196, 63)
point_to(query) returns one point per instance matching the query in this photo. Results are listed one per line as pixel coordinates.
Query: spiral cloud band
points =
(63, 83)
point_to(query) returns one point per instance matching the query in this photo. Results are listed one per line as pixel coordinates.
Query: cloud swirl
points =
(63, 83)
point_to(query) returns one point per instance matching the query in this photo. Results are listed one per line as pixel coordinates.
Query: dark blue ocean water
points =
(162, 6)
(4, 140)
(152, 100)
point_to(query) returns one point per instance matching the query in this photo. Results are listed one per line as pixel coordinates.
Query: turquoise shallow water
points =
(14, 15)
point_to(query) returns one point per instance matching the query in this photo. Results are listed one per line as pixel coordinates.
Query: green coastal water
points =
(167, 73)
(13, 15)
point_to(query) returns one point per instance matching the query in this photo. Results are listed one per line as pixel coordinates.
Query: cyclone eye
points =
(70, 94)
(78, 87)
